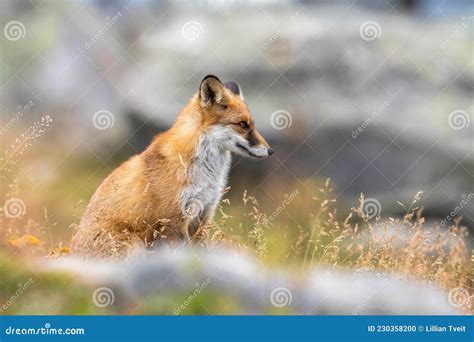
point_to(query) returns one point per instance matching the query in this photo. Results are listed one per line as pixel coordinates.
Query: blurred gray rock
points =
(255, 288)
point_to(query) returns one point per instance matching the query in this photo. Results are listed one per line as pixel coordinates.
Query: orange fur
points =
(139, 202)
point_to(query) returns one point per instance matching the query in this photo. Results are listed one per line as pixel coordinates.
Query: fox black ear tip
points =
(210, 76)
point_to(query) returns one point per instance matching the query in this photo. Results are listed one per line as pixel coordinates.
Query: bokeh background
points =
(376, 95)
(365, 91)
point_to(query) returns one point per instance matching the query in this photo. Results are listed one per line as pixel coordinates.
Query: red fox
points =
(171, 190)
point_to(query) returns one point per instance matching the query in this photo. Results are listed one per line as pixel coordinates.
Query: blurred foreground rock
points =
(237, 280)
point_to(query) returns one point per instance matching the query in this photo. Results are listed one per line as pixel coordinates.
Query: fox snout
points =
(254, 145)
(255, 139)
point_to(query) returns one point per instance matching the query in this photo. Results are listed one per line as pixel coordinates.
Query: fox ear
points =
(233, 87)
(212, 91)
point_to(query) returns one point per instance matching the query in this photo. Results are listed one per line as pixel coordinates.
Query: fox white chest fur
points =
(207, 174)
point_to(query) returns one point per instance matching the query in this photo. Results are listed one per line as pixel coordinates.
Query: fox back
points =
(169, 192)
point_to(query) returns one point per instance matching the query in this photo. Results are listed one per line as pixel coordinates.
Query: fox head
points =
(227, 118)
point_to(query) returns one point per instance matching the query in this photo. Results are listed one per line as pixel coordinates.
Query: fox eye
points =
(243, 124)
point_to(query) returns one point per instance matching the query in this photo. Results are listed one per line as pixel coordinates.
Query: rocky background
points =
(375, 95)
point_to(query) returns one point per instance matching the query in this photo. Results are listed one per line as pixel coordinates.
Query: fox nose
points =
(270, 151)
